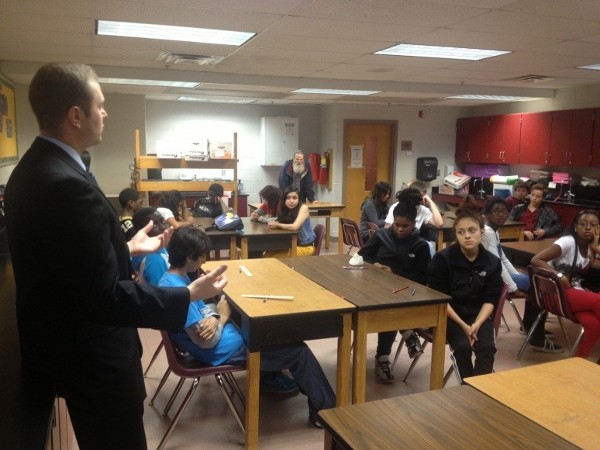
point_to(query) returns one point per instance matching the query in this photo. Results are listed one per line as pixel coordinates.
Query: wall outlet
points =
(438, 172)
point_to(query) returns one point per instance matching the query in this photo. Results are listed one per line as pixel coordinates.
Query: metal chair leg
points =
(156, 352)
(516, 311)
(185, 402)
(398, 351)
(414, 361)
(577, 342)
(528, 338)
(160, 385)
(173, 396)
(505, 323)
(221, 380)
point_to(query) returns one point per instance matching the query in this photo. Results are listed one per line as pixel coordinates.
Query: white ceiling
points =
(317, 44)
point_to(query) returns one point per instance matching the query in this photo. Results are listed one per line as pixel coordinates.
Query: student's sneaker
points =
(547, 334)
(383, 369)
(547, 347)
(278, 383)
(413, 345)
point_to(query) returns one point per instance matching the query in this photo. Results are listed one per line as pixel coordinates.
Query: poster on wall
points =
(8, 124)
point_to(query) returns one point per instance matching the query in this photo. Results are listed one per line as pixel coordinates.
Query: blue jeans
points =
(303, 366)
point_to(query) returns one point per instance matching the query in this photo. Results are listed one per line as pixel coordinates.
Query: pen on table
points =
(398, 290)
(269, 297)
(245, 270)
(413, 291)
(354, 267)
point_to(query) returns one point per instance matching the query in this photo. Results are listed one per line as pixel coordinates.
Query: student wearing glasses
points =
(496, 212)
(471, 275)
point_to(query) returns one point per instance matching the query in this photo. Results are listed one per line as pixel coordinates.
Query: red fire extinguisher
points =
(324, 174)
(315, 165)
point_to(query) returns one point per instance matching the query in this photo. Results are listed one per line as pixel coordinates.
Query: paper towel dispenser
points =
(427, 168)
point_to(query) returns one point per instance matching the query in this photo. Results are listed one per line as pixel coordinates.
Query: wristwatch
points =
(560, 274)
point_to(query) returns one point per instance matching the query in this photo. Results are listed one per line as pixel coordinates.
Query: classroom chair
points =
(351, 234)
(320, 234)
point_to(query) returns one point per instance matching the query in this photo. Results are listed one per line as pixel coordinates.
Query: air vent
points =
(531, 78)
(169, 58)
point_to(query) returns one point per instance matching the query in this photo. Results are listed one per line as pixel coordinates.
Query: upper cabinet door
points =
(596, 140)
(582, 133)
(560, 138)
(535, 138)
(504, 139)
(472, 139)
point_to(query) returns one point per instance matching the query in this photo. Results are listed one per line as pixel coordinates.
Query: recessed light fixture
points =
(171, 33)
(240, 101)
(494, 98)
(179, 84)
(333, 91)
(590, 67)
(432, 51)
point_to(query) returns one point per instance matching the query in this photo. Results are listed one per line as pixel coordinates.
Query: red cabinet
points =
(472, 139)
(503, 139)
(535, 138)
(595, 161)
(571, 137)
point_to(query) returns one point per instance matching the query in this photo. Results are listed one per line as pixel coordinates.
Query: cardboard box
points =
(197, 151)
(457, 180)
(167, 150)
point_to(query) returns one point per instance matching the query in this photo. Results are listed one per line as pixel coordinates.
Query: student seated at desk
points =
(568, 257)
(269, 208)
(471, 275)
(402, 251)
(212, 338)
(520, 191)
(375, 208)
(496, 212)
(174, 210)
(541, 222)
(293, 216)
(152, 266)
(212, 206)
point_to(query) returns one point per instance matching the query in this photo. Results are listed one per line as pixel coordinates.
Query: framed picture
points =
(8, 124)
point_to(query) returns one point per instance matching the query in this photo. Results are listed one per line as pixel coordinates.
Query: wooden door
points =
(378, 142)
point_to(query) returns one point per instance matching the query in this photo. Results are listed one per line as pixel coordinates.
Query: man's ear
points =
(74, 116)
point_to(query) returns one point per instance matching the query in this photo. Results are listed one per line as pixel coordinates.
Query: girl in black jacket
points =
(399, 249)
(472, 277)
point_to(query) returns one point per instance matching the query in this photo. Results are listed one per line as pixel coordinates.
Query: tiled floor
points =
(207, 423)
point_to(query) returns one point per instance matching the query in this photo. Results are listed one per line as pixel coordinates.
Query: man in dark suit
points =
(77, 307)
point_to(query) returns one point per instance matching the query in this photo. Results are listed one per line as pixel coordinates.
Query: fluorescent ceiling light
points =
(495, 98)
(333, 91)
(432, 51)
(179, 84)
(212, 100)
(171, 33)
(590, 67)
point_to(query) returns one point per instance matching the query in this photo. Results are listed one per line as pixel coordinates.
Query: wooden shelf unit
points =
(153, 162)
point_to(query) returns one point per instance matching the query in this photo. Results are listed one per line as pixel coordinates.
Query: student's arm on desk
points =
(303, 214)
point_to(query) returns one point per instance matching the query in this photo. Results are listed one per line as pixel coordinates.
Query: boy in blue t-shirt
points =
(150, 268)
(212, 338)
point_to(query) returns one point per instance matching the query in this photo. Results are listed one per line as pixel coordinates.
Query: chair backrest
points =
(497, 317)
(548, 293)
(320, 234)
(372, 227)
(351, 233)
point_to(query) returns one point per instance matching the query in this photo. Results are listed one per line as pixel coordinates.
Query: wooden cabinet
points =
(152, 162)
(595, 158)
(279, 137)
(472, 139)
(504, 139)
(571, 137)
(535, 138)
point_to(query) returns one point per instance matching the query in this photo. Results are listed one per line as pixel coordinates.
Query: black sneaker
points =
(278, 384)
(547, 347)
(547, 334)
(413, 344)
(383, 369)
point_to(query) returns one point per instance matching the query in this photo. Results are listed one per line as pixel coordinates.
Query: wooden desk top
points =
(367, 289)
(311, 206)
(251, 228)
(271, 276)
(529, 248)
(457, 417)
(561, 396)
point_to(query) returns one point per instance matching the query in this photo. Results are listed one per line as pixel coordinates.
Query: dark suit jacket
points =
(77, 307)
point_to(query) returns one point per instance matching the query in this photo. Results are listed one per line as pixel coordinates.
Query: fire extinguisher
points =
(315, 165)
(324, 174)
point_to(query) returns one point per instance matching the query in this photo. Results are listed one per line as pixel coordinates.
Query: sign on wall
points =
(8, 124)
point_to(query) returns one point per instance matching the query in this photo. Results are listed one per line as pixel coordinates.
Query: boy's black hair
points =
(187, 241)
(493, 201)
(127, 195)
(216, 189)
(172, 200)
(144, 215)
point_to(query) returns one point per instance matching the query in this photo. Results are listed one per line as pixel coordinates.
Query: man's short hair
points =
(128, 195)
(56, 88)
(187, 242)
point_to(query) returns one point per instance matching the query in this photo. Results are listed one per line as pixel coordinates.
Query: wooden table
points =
(509, 231)
(561, 396)
(320, 209)
(255, 236)
(452, 418)
(315, 313)
(526, 249)
(379, 309)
